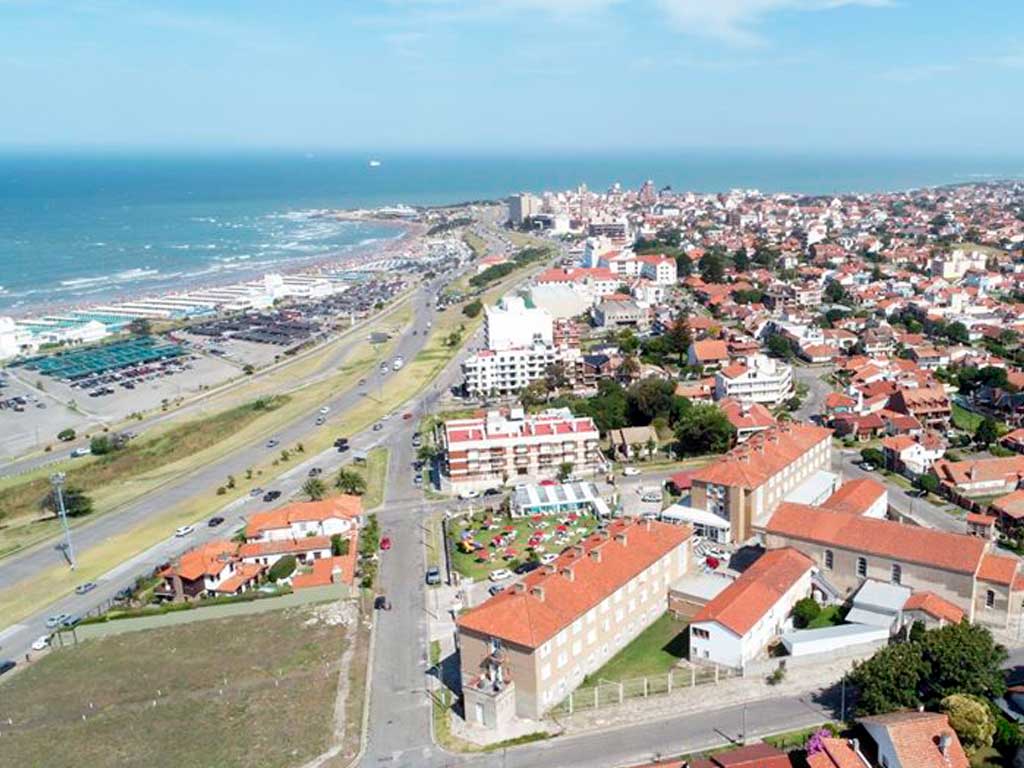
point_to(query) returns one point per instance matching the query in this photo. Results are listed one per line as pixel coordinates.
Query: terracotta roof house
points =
(863, 496)
(528, 647)
(746, 418)
(932, 609)
(915, 740)
(929, 405)
(739, 622)
(981, 476)
(710, 354)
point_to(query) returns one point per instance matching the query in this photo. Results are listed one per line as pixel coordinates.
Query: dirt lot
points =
(255, 690)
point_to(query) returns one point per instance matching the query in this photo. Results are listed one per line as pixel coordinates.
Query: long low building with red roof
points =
(849, 549)
(524, 650)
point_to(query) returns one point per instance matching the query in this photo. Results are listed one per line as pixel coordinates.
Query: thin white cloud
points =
(920, 72)
(736, 21)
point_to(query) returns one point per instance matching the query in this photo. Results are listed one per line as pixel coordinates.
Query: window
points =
(990, 598)
(702, 634)
(896, 574)
(495, 644)
(829, 559)
(862, 567)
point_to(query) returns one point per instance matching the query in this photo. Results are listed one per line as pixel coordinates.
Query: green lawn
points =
(375, 472)
(467, 562)
(966, 420)
(655, 651)
(256, 690)
(830, 616)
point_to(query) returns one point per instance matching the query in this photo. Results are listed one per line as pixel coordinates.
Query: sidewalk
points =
(733, 691)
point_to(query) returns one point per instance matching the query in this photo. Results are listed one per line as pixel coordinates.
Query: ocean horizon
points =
(88, 227)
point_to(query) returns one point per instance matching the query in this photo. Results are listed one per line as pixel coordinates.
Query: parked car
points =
(631, 471)
(256, 492)
(273, 443)
(271, 496)
(526, 567)
(315, 472)
(385, 544)
(492, 492)
(469, 493)
(867, 466)
(78, 452)
(495, 589)
(418, 479)
(651, 497)
(215, 521)
(41, 643)
(548, 558)
(325, 410)
(184, 530)
(378, 427)
(320, 421)
(341, 442)
(71, 621)
(56, 621)
(433, 575)
(82, 589)
(6, 666)
(500, 574)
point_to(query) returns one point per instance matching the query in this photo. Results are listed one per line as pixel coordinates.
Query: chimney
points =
(538, 592)
(518, 588)
(568, 573)
(944, 742)
(595, 555)
(621, 538)
(548, 569)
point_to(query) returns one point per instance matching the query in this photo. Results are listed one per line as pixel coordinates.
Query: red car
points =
(385, 543)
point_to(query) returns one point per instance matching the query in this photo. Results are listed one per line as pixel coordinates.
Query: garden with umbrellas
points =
(486, 540)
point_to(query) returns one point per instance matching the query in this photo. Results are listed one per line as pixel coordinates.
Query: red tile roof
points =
(907, 543)
(244, 574)
(548, 600)
(304, 512)
(1011, 505)
(935, 606)
(764, 455)
(710, 350)
(284, 546)
(742, 604)
(205, 560)
(855, 497)
(746, 415)
(836, 753)
(998, 569)
(915, 739)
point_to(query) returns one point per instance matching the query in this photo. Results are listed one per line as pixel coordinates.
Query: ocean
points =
(82, 228)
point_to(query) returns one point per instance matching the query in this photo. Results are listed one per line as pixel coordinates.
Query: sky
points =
(889, 76)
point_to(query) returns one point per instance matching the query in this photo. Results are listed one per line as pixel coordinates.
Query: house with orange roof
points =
(746, 485)
(863, 496)
(527, 648)
(851, 549)
(325, 518)
(929, 405)
(912, 456)
(746, 418)
(709, 354)
(211, 568)
(755, 379)
(931, 610)
(913, 740)
(981, 476)
(740, 621)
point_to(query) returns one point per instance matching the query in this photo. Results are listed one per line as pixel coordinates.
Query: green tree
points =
(971, 718)
(340, 545)
(678, 336)
(565, 470)
(712, 267)
(76, 502)
(534, 394)
(836, 294)
(648, 399)
(958, 332)
(684, 267)
(872, 456)
(987, 432)
(928, 482)
(555, 376)
(740, 260)
(282, 569)
(805, 611)
(101, 445)
(701, 429)
(963, 658)
(314, 488)
(779, 346)
(889, 680)
(473, 308)
(351, 482)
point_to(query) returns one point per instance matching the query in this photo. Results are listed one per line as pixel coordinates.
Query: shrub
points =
(340, 545)
(100, 445)
(805, 611)
(282, 569)
(972, 720)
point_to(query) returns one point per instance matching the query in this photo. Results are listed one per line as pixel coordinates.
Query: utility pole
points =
(57, 481)
(842, 705)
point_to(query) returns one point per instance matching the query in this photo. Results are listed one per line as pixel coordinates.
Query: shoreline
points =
(326, 264)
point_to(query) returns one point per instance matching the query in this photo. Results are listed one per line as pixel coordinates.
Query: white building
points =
(13, 340)
(659, 268)
(739, 623)
(509, 371)
(756, 379)
(513, 324)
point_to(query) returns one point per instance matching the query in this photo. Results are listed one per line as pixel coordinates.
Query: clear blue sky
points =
(870, 75)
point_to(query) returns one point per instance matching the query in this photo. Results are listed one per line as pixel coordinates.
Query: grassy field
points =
(255, 690)
(476, 243)
(375, 472)
(98, 476)
(830, 616)
(655, 651)
(478, 563)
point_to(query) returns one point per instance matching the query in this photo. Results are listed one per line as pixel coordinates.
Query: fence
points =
(606, 693)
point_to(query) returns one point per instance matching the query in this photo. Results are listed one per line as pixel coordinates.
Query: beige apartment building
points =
(490, 451)
(747, 484)
(527, 648)
(849, 549)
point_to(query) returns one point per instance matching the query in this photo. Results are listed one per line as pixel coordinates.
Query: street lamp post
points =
(57, 481)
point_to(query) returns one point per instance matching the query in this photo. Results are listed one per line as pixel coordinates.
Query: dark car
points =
(433, 575)
(526, 567)
(215, 521)
(6, 666)
(315, 471)
(341, 443)
(271, 496)
(492, 492)
(496, 589)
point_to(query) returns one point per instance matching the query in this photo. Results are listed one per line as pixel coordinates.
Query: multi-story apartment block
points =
(526, 649)
(659, 268)
(746, 485)
(509, 371)
(755, 379)
(487, 452)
